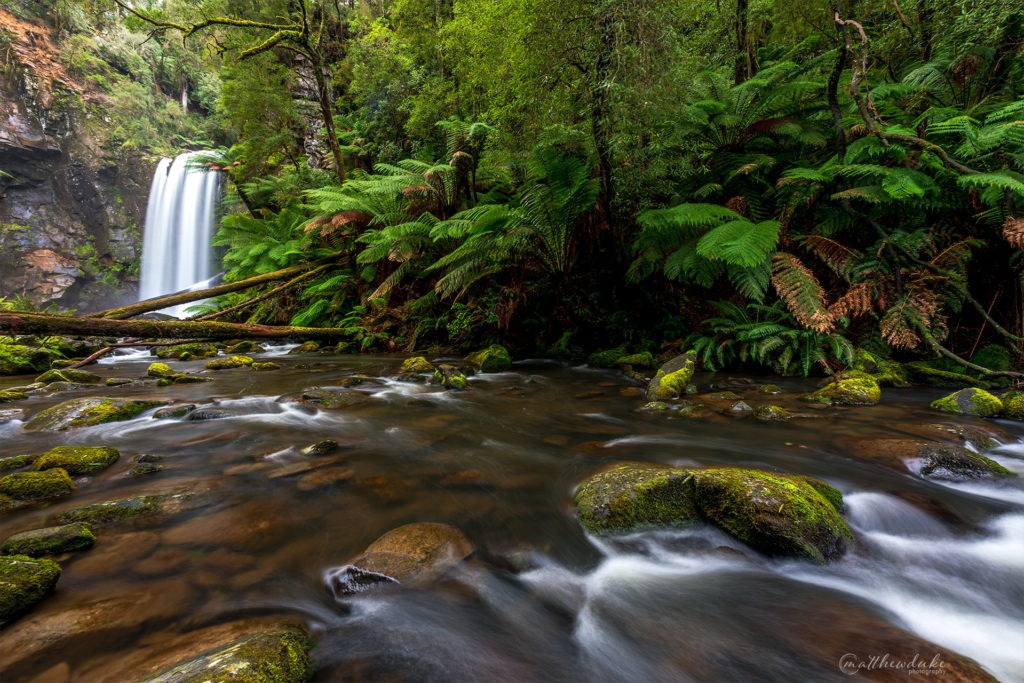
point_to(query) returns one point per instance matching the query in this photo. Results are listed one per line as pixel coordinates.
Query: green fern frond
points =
(740, 242)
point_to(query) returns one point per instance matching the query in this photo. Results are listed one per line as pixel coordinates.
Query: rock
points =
(305, 347)
(772, 389)
(778, 516)
(149, 457)
(85, 412)
(771, 413)
(245, 347)
(672, 378)
(413, 368)
(450, 377)
(160, 370)
(320, 447)
(276, 656)
(122, 509)
(330, 399)
(52, 540)
(606, 359)
(263, 367)
(1013, 405)
(644, 360)
(203, 414)
(495, 358)
(956, 463)
(635, 496)
(53, 483)
(656, 406)
(174, 412)
(145, 468)
(857, 391)
(228, 363)
(324, 476)
(15, 462)
(190, 351)
(971, 401)
(77, 459)
(8, 396)
(16, 359)
(118, 381)
(182, 378)
(740, 409)
(66, 375)
(57, 387)
(24, 581)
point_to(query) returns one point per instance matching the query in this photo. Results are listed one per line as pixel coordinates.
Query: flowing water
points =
(936, 571)
(176, 251)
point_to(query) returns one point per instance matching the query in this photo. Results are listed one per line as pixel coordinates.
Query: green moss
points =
(673, 378)
(16, 359)
(639, 360)
(194, 350)
(971, 401)
(182, 378)
(655, 406)
(956, 463)
(449, 377)
(231, 362)
(245, 347)
(495, 358)
(8, 396)
(830, 493)
(50, 540)
(865, 361)
(772, 389)
(635, 496)
(24, 581)
(144, 468)
(891, 374)
(771, 413)
(994, 357)
(15, 462)
(67, 375)
(1013, 405)
(854, 391)
(415, 366)
(118, 381)
(942, 378)
(86, 412)
(262, 367)
(306, 347)
(77, 459)
(606, 359)
(159, 370)
(53, 483)
(112, 511)
(778, 516)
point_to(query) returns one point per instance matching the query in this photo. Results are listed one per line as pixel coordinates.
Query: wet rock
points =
(263, 367)
(57, 387)
(633, 496)
(385, 488)
(656, 406)
(1013, 405)
(330, 399)
(320, 448)
(324, 476)
(350, 579)
(77, 459)
(450, 377)
(174, 412)
(9, 396)
(279, 656)
(495, 358)
(204, 414)
(414, 368)
(30, 486)
(771, 389)
(52, 540)
(861, 391)
(118, 381)
(15, 462)
(584, 395)
(971, 401)
(123, 509)
(24, 581)
(228, 363)
(673, 378)
(956, 463)
(149, 457)
(771, 413)
(160, 370)
(467, 479)
(182, 378)
(740, 409)
(68, 375)
(16, 359)
(778, 516)
(85, 412)
(189, 351)
(145, 468)
(645, 360)
(245, 347)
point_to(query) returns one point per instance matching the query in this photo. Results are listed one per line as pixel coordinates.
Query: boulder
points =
(305, 347)
(495, 358)
(970, 401)
(606, 359)
(245, 347)
(672, 378)
(52, 540)
(852, 391)
(24, 581)
(16, 359)
(8, 396)
(189, 351)
(263, 367)
(956, 463)
(450, 377)
(159, 370)
(634, 496)
(1013, 405)
(68, 375)
(77, 459)
(228, 363)
(412, 369)
(85, 412)
(53, 483)
(15, 462)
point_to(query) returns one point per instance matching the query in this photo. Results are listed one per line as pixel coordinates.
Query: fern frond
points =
(1013, 231)
(839, 257)
(801, 292)
(740, 242)
(857, 301)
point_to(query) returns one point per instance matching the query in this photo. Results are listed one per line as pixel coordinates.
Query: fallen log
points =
(16, 322)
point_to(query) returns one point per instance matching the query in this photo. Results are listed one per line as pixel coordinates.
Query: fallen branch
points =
(266, 295)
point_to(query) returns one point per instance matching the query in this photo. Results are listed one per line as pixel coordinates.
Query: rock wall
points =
(71, 213)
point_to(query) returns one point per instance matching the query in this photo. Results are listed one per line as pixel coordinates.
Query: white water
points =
(176, 252)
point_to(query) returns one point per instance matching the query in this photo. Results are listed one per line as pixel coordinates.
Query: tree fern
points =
(740, 242)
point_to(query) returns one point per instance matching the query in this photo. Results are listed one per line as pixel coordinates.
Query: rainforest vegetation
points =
(773, 184)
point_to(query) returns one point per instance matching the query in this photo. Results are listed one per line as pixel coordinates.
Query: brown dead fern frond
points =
(1013, 231)
(801, 292)
(857, 301)
(839, 257)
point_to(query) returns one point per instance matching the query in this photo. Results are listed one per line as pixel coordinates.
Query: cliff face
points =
(71, 213)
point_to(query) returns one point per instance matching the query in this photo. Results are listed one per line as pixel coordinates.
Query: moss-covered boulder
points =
(1013, 405)
(635, 496)
(86, 412)
(778, 516)
(24, 581)
(29, 486)
(450, 377)
(852, 391)
(189, 351)
(672, 378)
(995, 357)
(970, 401)
(17, 359)
(609, 358)
(645, 360)
(955, 463)
(52, 540)
(68, 375)
(15, 462)
(77, 459)
(244, 347)
(495, 358)
(159, 370)
(118, 381)
(263, 367)
(230, 362)
(412, 369)
(121, 510)
(8, 396)
(771, 413)
(306, 347)
(276, 656)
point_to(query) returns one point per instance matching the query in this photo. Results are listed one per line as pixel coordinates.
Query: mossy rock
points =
(86, 412)
(329, 398)
(956, 463)
(17, 359)
(645, 360)
(450, 377)
(145, 468)
(8, 396)
(245, 347)
(159, 370)
(28, 486)
(970, 401)
(413, 368)
(118, 381)
(77, 459)
(112, 511)
(24, 581)
(67, 375)
(606, 359)
(673, 378)
(771, 413)
(306, 347)
(1013, 405)
(854, 391)
(778, 516)
(174, 412)
(320, 448)
(412, 554)
(263, 367)
(15, 462)
(495, 358)
(865, 361)
(230, 362)
(635, 496)
(277, 656)
(891, 374)
(52, 540)
(189, 379)
(191, 351)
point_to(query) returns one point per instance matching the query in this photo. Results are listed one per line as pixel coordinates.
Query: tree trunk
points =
(744, 69)
(327, 111)
(40, 323)
(601, 112)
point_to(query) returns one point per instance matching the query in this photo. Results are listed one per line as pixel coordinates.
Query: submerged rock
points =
(771, 413)
(174, 412)
(85, 412)
(852, 391)
(28, 486)
(495, 358)
(122, 509)
(673, 378)
(971, 401)
(78, 459)
(329, 398)
(320, 447)
(24, 581)
(52, 540)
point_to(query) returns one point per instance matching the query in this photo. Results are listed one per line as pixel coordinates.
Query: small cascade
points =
(176, 251)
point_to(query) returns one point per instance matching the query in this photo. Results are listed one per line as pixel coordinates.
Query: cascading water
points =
(176, 251)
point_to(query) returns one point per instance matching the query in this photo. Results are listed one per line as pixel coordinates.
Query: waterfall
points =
(176, 251)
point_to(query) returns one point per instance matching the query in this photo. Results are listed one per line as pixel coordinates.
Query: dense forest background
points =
(772, 184)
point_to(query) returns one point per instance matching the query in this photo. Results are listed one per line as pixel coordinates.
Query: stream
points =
(937, 569)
